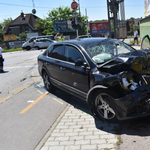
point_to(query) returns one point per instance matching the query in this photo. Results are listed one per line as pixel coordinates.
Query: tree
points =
(1, 32)
(6, 22)
(62, 13)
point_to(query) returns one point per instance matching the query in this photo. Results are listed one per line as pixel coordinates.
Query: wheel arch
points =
(92, 91)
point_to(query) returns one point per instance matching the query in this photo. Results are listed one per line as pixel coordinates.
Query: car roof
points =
(82, 41)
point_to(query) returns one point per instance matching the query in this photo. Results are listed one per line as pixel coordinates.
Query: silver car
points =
(42, 43)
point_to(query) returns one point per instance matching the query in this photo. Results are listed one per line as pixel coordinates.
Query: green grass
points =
(12, 49)
(119, 142)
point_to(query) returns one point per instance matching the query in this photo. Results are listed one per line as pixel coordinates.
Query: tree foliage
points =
(62, 13)
(6, 22)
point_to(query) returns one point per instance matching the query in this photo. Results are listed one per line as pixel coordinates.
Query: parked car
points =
(42, 43)
(30, 43)
(112, 77)
(83, 36)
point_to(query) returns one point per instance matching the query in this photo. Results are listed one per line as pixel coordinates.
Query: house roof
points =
(30, 19)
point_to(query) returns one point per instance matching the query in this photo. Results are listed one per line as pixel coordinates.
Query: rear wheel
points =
(46, 81)
(28, 48)
(103, 108)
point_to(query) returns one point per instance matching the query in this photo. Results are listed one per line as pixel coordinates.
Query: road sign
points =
(74, 14)
(74, 5)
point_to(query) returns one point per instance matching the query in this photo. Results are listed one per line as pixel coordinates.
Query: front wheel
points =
(102, 105)
(46, 81)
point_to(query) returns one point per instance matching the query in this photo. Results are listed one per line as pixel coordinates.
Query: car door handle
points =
(47, 63)
(61, 68)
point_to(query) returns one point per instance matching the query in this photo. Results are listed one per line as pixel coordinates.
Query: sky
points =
(96, 9)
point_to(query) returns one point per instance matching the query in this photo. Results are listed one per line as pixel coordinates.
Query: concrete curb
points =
(51, 129)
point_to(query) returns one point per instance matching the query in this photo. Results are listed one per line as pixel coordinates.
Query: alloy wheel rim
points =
(46, 81)
(103, 107)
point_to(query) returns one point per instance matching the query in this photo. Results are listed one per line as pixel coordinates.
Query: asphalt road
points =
(27, 110)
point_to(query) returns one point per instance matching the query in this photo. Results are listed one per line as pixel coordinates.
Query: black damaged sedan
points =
(111, 76)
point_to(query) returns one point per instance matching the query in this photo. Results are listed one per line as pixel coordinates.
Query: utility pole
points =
(116, 18)
(86, 20)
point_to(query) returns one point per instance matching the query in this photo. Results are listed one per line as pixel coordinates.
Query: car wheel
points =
(46, 81)
(103, 108)
(36, 48)
(28, 48)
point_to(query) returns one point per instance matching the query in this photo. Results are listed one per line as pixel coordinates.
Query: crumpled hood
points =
(139, 61)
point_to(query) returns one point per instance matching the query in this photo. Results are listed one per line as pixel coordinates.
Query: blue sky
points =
(96, 9)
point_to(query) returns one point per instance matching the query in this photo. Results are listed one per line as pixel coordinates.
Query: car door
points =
(53, 61)
(145, 42)
(74, 77)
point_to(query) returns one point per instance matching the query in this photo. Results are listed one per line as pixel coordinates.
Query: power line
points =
(22, 5)
(52, 8)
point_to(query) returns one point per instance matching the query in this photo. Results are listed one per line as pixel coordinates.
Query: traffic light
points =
(73, 23)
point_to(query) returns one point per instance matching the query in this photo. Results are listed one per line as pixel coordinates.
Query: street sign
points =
(74, 14)
(74, 5)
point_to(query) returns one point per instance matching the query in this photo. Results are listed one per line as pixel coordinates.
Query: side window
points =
(32, 40)
(56, 52)
(72, 54)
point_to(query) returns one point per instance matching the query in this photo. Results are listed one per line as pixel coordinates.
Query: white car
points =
(42, 43)
(30, 43)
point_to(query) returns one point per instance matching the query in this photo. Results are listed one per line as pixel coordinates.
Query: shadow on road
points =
(140, 126)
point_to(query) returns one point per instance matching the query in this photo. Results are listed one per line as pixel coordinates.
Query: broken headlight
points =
(130, 82)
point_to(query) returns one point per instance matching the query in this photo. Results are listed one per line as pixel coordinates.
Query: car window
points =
(72, 54)
(31, 40)
(56, 52)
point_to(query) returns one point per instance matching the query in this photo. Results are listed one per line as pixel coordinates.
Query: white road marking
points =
(30, 101)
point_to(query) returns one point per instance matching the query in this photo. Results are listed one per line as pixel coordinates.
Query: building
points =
(24, 22)
(145, 27)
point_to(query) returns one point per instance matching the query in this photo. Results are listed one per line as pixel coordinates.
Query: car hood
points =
(138, 61)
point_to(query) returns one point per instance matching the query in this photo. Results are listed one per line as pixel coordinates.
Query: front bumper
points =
(135, 104)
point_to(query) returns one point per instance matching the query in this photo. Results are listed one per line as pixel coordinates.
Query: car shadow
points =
(140, 126)
(4, 72)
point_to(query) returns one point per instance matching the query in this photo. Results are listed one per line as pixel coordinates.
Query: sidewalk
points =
(77, 130)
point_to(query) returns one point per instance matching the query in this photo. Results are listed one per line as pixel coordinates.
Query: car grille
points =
(146, 78)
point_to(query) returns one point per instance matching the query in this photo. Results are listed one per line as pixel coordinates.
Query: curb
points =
(50, 130)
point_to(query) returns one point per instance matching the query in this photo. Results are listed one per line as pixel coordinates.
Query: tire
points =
(102, 105)
(47, 82)
(36, 48)
(28, 48)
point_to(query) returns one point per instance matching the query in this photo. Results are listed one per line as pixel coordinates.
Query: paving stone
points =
(76, 138)
(66, 143)
(56, 148)
(105, 146)
(66, 130)
(62, 138)
(71, 134)
(52, 143)
(86, 133)
(82, 142)
(70, 123)
(107, 136)
(57, 134)
(72, 147)
(113, 141)
(98, 141)
(88, 147)
(90, 137)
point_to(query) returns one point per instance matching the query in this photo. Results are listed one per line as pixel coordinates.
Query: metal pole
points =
(80, 14)
(77, 32)
(86, 20)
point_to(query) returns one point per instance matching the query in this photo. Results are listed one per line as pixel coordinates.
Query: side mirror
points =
(78, 63)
